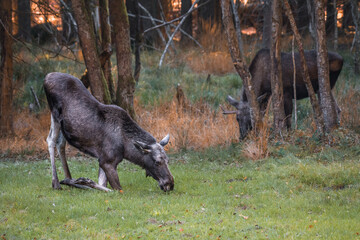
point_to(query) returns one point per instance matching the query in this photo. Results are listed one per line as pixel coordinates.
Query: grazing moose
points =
(261, 81)
(105, 132)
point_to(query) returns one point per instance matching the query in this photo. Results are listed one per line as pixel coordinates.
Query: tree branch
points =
(173, 25)
(179, 18)
(176, 29)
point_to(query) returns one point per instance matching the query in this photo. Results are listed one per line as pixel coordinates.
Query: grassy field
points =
(305, 188)
(294, 194)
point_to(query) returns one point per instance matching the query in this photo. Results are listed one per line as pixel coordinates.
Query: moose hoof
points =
(56, 185)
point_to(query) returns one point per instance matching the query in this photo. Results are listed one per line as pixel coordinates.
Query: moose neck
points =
(131, 153)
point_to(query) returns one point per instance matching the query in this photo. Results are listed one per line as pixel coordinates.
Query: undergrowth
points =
(195, 123)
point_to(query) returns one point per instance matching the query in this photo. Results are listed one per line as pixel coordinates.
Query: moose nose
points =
(167, 186)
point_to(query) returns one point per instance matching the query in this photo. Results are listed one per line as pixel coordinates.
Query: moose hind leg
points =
(60, 146)
(288, 107)
(337, 108)
(51, 141)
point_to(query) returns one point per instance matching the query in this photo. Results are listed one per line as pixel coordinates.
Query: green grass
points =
(159, 85)
(218, 194)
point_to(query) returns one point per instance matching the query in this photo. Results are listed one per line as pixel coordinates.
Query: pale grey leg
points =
(60, 146)
(51, 141)
(102, 177)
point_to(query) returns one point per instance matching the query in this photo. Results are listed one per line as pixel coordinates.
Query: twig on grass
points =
(84, 183)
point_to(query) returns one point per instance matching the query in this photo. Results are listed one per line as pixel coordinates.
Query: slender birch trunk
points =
(326, 101)
(304, 69)
(239, 64)
(276, 71)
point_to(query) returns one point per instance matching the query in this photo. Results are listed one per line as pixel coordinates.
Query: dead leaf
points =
(244, 217)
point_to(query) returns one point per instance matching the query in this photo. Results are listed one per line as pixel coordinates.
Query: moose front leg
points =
(51, 141)
(111, 174)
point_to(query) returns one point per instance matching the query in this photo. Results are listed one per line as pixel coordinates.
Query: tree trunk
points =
(304, 69)
(276, 72)
(208, 13)
(137, 42)
(347, 19)
(235, 7)
(6, 69)
(326, 101)
(106, 44)
(126, 83)
(330, 23)
(267, 13)
(24, 20)
(239, 64)
(151, 37)
(356, 17)
(336, 32)
(98, 84)
(187, 25)
(68, 22)
(311, 13)
(300, 13)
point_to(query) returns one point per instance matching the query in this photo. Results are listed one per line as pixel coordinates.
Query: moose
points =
(260, 72)
(105, 132)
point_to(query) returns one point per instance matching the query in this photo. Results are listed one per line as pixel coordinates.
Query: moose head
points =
(243, 116)
(155, 162)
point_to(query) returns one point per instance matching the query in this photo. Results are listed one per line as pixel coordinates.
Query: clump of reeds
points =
(257, 145)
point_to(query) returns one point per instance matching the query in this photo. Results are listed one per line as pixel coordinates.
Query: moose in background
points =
(261, 81)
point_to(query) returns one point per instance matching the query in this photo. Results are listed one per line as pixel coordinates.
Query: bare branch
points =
(153, 22)
(226, 112)
(237, 25)
(167, 29)
(179, 18)
(294, 79)
(173, 34)
(173, 25)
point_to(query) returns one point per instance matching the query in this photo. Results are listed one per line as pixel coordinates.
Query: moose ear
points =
(142, 147)
(232, 101)
(261, 98)
(165, 140)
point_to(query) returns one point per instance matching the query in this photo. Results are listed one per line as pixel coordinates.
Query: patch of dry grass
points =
(30, 132)
(350, 111)
(196, 127)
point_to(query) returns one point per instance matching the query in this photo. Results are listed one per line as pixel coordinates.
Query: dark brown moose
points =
(105, 132)
(260, 72)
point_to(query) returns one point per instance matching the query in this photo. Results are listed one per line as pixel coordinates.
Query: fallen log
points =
(84, 183)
